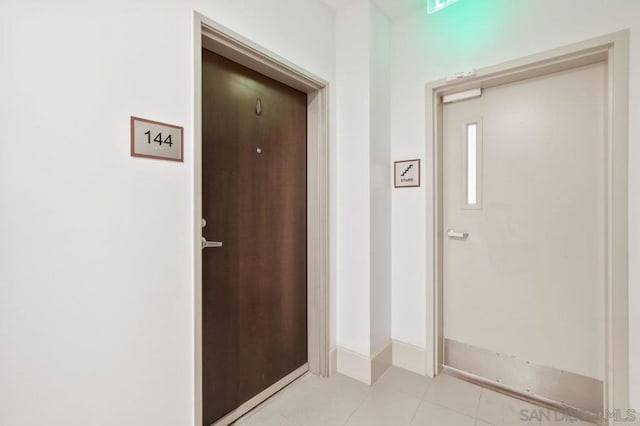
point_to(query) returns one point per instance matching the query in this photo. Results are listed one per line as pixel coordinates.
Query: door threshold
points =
(262, 396)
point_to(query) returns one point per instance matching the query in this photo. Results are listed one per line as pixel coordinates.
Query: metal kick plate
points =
(569, 389)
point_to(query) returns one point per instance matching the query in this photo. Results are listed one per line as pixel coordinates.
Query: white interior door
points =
(524, 177)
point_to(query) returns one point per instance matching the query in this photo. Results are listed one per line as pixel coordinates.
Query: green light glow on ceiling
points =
(468, 28)
(437, 5)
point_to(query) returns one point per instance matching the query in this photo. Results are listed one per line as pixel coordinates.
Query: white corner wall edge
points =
(409, 357)
(362, 368)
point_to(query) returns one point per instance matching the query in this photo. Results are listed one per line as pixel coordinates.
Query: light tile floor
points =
(398, 398)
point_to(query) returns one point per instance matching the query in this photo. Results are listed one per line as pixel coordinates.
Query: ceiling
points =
(393, 8)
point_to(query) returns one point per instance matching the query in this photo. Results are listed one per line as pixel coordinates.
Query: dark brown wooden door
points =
(254, 194)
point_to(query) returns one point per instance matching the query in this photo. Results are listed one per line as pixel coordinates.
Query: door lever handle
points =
(210, 244)
(455, 234)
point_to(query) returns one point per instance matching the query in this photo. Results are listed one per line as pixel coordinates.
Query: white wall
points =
(96, 284)
(475, 34)
(364, 197)
(353, 132)
(380, 110)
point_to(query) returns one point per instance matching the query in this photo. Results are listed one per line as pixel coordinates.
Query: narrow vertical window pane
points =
(472, 164)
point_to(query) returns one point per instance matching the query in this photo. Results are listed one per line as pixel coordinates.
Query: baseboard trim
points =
(362, 368)
(333, 361)
(354, 365)
(381, 361)
(410, 357)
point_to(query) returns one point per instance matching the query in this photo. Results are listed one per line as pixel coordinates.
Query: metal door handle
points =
(210, 244)
(455, 234)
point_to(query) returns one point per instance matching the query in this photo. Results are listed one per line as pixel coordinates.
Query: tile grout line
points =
(424, 394)
(452, 409)
(478, 409)
(354, 411)
(456, 409)
(422, 401)
(415, 413)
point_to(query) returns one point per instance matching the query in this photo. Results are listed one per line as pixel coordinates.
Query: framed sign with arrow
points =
(407, 174)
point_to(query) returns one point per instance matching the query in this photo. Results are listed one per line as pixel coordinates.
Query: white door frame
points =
(223, 41)
(614, 50)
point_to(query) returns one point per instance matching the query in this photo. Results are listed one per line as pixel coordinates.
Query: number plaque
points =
(153, 139)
